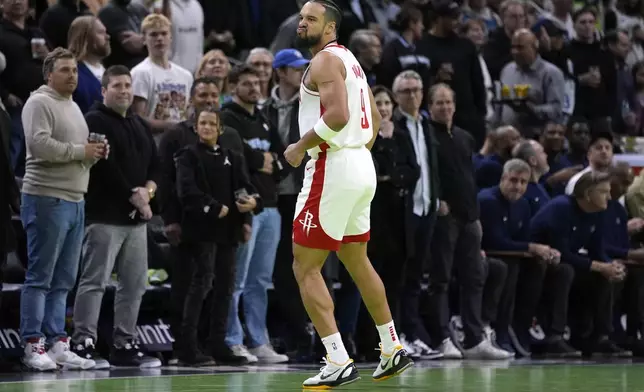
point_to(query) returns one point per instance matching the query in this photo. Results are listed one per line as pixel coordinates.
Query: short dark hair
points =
(408, 14)
(208, 109)
(53, 56)
(114, 70)
(200, 81)
(332, 12)
(584, 10)
(239, 70)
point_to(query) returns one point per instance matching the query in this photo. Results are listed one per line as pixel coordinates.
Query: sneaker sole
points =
(354, 374)
(28, 368)
(326, 387)
(394, 374)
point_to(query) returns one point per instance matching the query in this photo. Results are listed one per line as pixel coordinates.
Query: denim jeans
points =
(255, 262)
(54, 229)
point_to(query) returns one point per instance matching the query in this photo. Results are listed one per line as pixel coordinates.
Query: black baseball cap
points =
(446, 8)
(596, 136)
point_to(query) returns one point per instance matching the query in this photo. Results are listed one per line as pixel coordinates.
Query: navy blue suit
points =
(579, 236)
(506, 225)
(537, 196)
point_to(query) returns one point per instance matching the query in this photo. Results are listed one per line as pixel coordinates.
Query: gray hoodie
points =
(55, 135)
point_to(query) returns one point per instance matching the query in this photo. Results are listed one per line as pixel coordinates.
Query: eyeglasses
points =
(409, 91)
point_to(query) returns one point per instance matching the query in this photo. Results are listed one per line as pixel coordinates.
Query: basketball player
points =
(338, 125)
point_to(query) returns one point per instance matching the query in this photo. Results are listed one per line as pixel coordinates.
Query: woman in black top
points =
(216, 198)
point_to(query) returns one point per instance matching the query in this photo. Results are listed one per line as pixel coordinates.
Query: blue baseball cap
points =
(291, 58)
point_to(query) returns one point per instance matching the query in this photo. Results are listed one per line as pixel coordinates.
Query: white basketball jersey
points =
(359, 130)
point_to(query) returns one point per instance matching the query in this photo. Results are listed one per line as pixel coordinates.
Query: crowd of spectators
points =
(130, 126)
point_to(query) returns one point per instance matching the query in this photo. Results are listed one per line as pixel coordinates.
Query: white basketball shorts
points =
(334, 204)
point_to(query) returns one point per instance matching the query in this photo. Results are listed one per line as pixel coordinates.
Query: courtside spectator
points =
(59, 159)
(574, 226)
(215, 194)
(90, 44)
(161, 87)
(420, 210)
(119, 202)
(204, 94)
(256, 258)
(9, 196)
(456, 243)
(281, 110)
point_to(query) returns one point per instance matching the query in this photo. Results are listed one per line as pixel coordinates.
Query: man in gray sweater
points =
(53, 211)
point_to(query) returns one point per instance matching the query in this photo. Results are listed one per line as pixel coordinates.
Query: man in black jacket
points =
(119, 201)
(203, 93)
(420, 210)
(456, 244)
(281, 110)
(256, 258)
(9, 194)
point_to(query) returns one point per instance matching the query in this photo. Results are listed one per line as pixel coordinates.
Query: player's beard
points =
(307, 42)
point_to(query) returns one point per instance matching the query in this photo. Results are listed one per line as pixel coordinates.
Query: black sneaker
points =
(557, 347)
(131, 356)
(87, 350)
(223, 355)
(607, 348)
(195, 359)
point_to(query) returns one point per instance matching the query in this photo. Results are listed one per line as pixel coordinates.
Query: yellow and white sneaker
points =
(333, 375)
(392, 364)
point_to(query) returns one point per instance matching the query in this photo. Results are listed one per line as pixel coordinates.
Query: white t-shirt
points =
(96, 71)
(187, 33)
(166, 90)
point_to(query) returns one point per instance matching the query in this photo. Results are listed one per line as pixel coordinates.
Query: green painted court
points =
(433, 376)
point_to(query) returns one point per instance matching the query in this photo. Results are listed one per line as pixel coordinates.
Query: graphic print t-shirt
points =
(166, 90)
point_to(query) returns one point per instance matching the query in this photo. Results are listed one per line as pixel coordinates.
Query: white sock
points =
(335, 349)
(388, 337)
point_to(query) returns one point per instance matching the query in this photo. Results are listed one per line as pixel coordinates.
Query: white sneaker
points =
(409, 348)
(449, 350)
(36, 358)
(425, 351)
(485, 350)
(69, 360)
(241, 351)
(392, 364)
(266, 354)
(333, 375)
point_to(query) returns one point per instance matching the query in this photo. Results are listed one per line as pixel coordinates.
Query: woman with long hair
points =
(215, 64)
